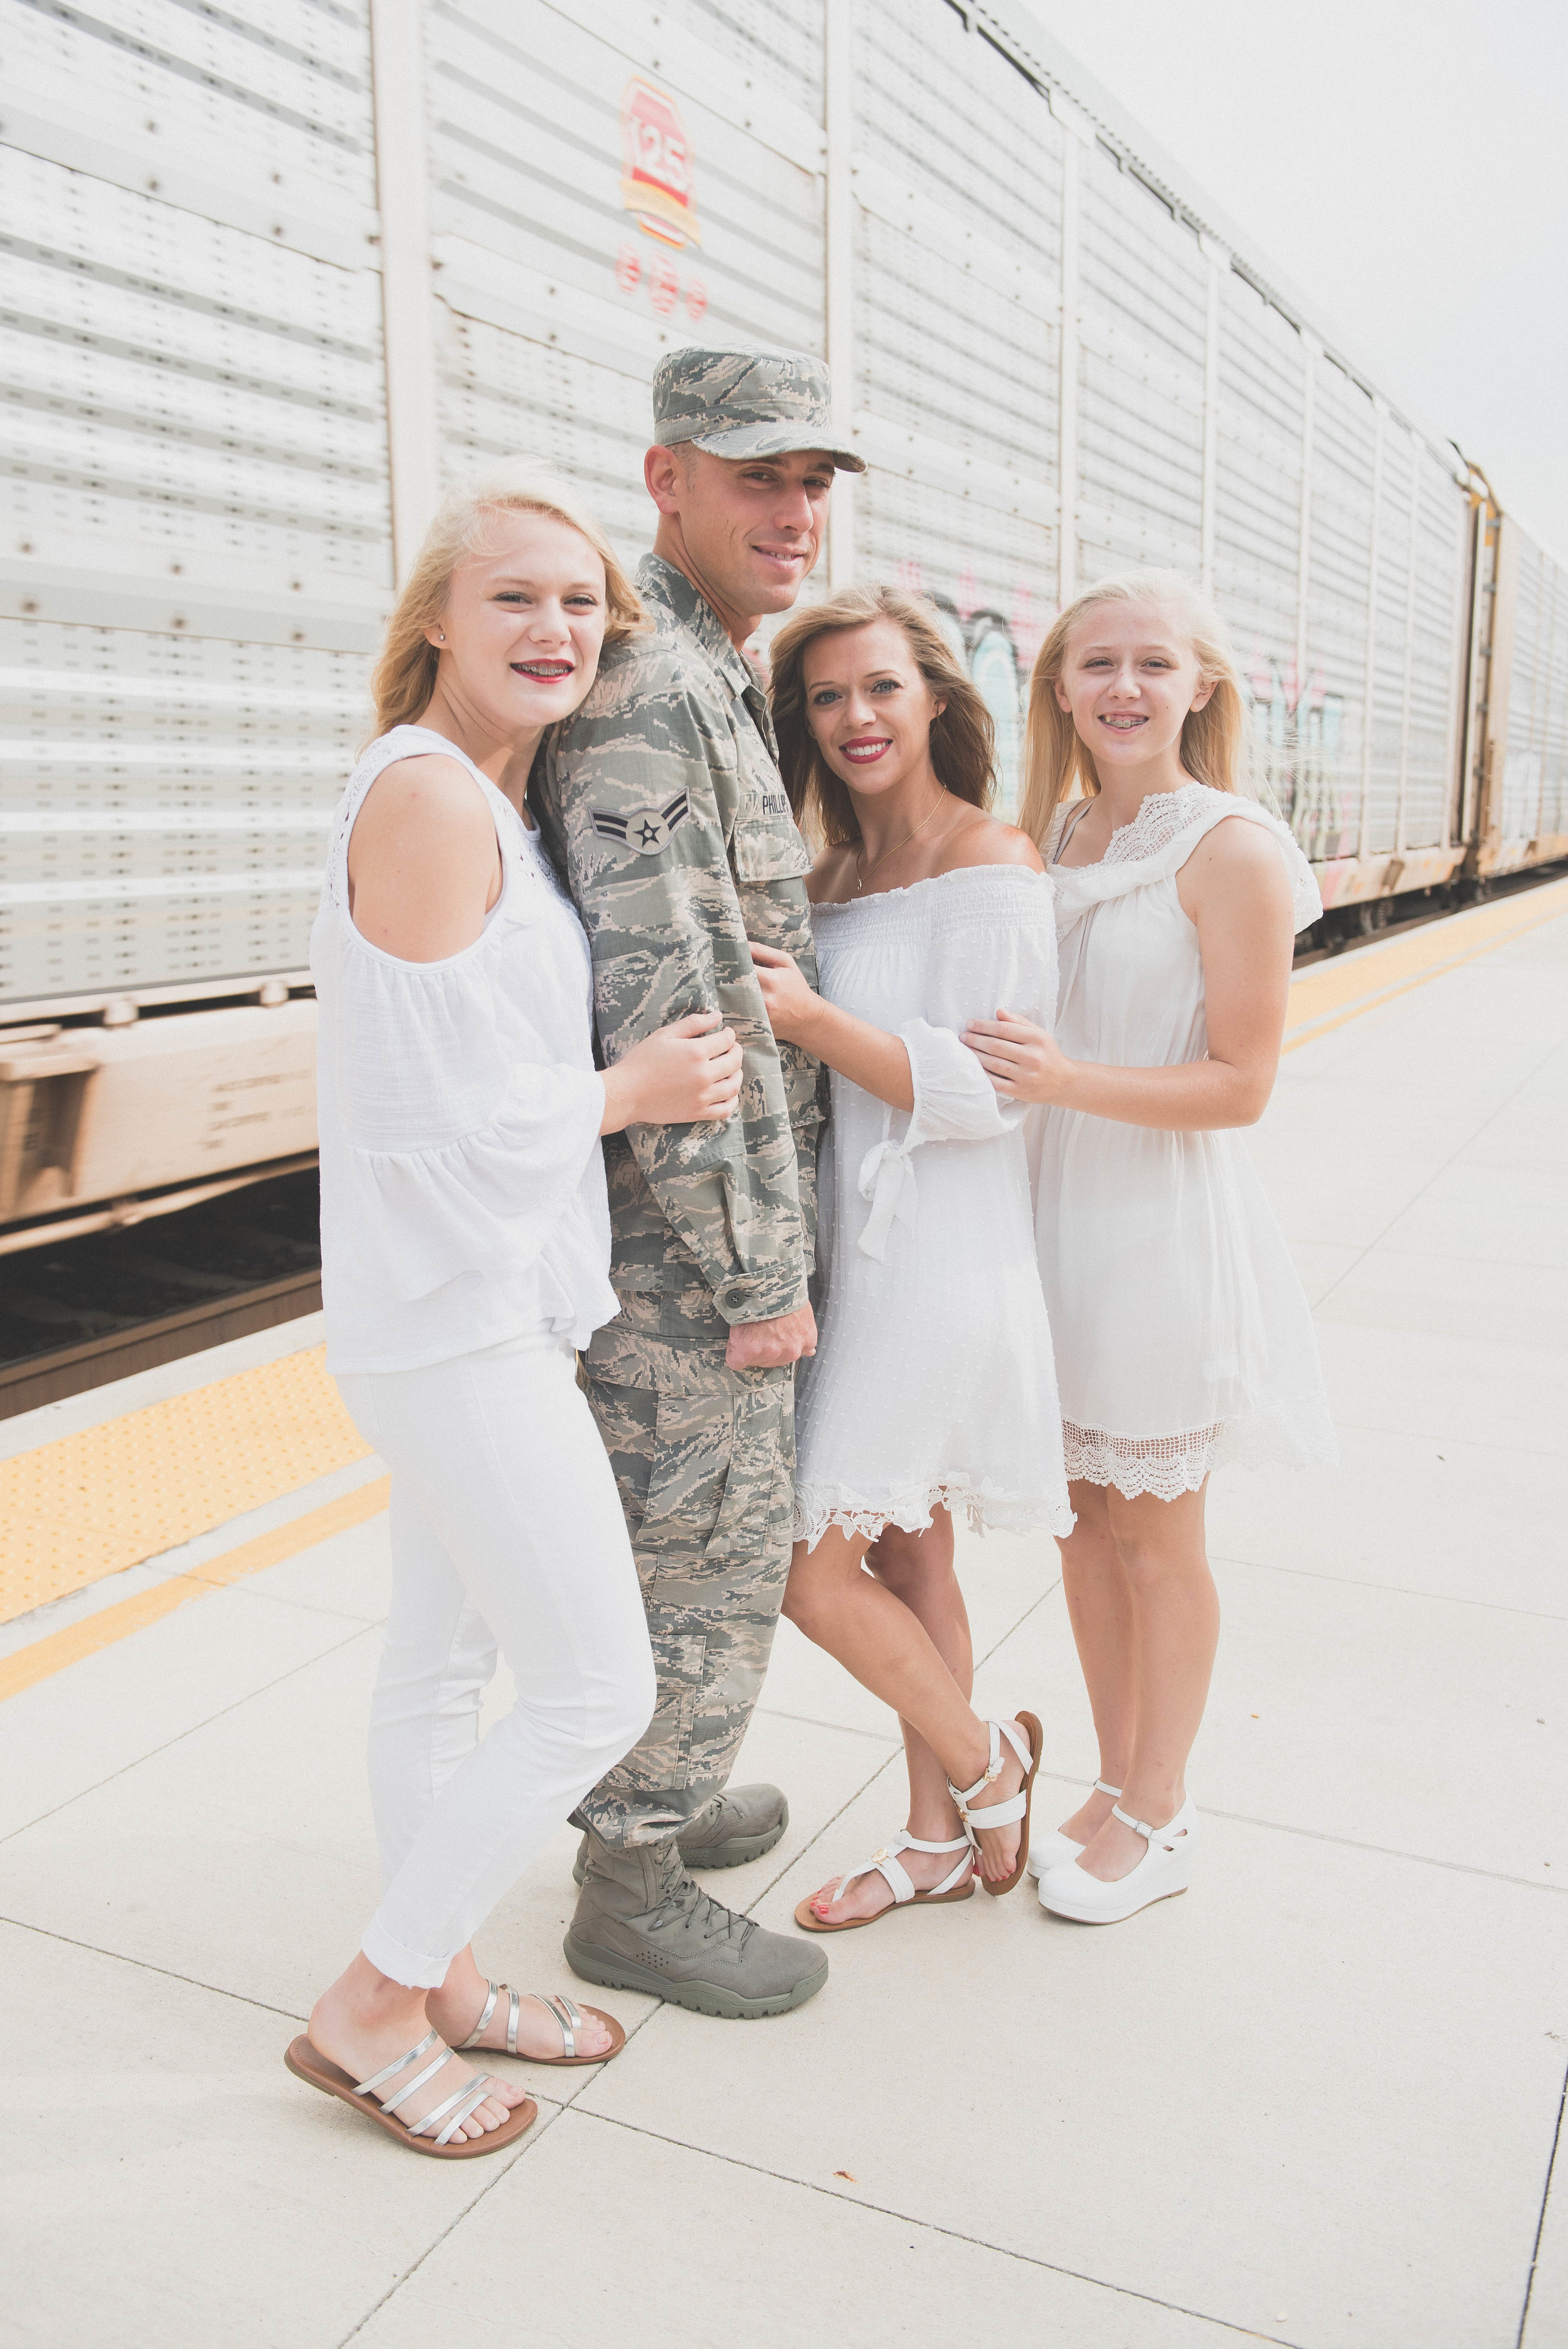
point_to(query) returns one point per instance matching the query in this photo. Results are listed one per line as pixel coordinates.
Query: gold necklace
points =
(919, 827)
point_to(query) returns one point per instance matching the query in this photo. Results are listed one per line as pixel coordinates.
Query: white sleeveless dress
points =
(463, 1183)
(931, 1385)
(1183, 1340)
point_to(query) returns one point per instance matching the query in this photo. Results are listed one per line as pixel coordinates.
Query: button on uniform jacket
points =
(661, 801)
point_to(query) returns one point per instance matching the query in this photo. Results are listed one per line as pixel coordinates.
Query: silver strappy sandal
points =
(568, 2016)
(437, 2132)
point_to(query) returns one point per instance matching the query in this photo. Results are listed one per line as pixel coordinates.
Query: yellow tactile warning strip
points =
(92, 1504)
(49, 1656)
(1329, 993)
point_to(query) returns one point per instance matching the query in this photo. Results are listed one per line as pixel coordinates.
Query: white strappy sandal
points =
(1069, 1891)
(900, 1883)
(567, 2015)
(437, 2132)
(1016, 1807)
(1053, 1849)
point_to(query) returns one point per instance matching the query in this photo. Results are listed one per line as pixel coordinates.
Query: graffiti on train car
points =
(1299, 739)
(1298, 735)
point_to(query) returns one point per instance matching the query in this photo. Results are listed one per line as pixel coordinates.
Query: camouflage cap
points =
(736, 403)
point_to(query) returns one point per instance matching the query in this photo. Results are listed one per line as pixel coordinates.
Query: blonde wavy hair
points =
(1216, 741)
(404, 676)
(963, 738)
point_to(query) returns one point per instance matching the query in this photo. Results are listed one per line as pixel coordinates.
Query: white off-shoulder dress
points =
(932, 1385)
(1182, 1338)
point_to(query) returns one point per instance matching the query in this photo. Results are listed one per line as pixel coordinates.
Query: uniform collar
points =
(660, 583)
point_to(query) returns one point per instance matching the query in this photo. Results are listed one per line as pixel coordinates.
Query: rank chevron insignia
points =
(645, 830)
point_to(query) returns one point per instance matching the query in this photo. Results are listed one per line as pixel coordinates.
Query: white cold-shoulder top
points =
(463, 1183)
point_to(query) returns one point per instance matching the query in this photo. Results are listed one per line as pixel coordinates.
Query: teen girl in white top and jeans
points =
(465, 1245)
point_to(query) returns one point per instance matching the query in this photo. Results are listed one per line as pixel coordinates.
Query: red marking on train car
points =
(656, 178)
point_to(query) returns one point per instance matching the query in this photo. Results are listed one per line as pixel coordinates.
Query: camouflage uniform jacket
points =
(661, 801)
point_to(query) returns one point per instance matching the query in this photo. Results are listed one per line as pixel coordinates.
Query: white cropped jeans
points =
(506, 1528)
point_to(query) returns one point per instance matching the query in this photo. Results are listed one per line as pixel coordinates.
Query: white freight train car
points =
(272, 274)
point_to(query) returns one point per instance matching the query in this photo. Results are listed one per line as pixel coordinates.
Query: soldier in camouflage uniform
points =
(661, 800)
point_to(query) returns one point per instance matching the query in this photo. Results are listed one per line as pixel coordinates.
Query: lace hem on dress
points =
(1170, 1466)
(982, 1507)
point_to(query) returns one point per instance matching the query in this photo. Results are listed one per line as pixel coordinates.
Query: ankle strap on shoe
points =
(995, 1815)
(1142, 1828)
(1138, 1826)
(1101, 1788)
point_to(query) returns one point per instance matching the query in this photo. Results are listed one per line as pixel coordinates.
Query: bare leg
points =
(918, 1569)
(1100, 1608)
(455, 2008)
(1175, 1629)
(861, 1619)
(366, 2020)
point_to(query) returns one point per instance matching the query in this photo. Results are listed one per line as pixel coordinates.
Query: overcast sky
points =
(1405, 163)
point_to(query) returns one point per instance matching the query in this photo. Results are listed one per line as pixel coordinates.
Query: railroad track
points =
(79, 1311)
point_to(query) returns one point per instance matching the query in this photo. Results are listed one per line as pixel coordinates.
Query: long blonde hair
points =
(1215, 740)
(405, 675)
(963, 738)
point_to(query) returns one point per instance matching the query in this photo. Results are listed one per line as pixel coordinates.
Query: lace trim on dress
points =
(1170, 1466)
(1165, 1465)
(982, 1508)
(1154, 846)
(1162, 818)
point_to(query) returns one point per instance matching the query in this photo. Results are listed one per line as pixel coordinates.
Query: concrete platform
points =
(1315, 2102)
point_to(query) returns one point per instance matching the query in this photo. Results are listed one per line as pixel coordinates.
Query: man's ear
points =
(666, 477)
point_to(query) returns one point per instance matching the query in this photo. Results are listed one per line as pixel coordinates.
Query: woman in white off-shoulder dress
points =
(1183, 1340)
(932, 1392)
(464, 1254)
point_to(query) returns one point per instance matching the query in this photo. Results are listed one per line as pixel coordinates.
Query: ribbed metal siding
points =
(1143, 296)
(1257, 514)
(195, 485)
(1392, 603)
(1436, 655)
(958, 238)
(163, 802)
(1327, 807)
(553, 305)
(1535, 769)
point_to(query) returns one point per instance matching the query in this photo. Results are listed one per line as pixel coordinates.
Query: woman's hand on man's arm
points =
(868, 1056)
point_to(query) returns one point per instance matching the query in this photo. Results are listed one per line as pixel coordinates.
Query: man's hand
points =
(766, 1345)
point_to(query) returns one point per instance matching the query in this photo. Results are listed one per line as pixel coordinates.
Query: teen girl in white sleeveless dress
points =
(464, 1254)
(1183, 1340)
(931, 1392)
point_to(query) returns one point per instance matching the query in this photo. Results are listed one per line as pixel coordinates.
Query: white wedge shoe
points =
(1055, 1847)
(1069, 1891)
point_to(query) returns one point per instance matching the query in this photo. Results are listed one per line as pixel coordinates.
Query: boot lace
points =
(686, 1902)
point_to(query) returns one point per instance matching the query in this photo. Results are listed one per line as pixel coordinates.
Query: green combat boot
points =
(739, 1825)
(643, 1924)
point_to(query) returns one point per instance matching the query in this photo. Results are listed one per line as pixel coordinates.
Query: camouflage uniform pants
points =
(705, 1464)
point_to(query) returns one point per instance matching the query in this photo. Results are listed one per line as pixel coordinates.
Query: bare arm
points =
(868, 1056)
(1234, 891)
(424, 868)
